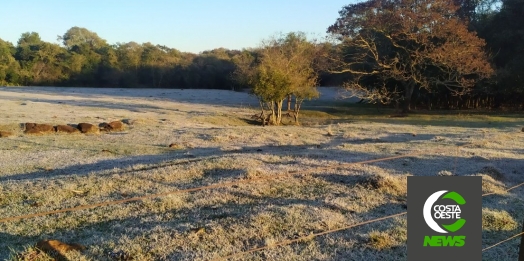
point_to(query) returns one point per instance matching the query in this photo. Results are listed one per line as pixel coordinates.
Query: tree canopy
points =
(392, 47)
(283, 68)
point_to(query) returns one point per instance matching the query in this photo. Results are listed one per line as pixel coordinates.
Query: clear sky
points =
(187, 25)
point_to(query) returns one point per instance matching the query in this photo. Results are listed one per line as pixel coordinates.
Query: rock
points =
(88, 128)
(104, 126)
(35, 128)
(50, 246)
(128, 121)
(112, 126)
(29, 125)
(66, 129)
(117, 125)
(522, 129)
(5, 134)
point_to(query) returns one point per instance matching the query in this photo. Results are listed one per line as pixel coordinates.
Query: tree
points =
(284, 68)
(393, 47)
(129, 56)
(156, 61)
(505, 37)
(41, 62)
(245, 61)
(87, 51)
(78, 36)
(8, 65)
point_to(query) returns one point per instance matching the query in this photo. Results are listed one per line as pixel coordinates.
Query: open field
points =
(215, 142)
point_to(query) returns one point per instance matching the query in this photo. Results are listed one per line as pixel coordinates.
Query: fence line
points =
(311, 236)
(521, 250)
(503, 241)
(512, 188)
(246, 181)
(214, 186)
(287, 242)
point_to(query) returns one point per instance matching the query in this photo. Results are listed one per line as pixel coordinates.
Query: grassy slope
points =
(214, 143)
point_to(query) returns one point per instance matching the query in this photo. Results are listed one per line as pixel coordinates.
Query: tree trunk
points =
(273, 117)
(408, 93)
(262, 114)
(289, 103)
(279, 112)
(298, 102)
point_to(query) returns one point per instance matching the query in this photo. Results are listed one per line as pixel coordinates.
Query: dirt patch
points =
(5, 134)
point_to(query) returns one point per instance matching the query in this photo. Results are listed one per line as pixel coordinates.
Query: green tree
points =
(129, 55)
(244, 62)
(41, 62)
(77, 37)
(87, 51)
(284, 68)
(9, 68)
(156, 62)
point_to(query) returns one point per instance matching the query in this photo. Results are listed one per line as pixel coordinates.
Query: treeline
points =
(85, 59)
(398, 68)
(499, 23)
(503, 31)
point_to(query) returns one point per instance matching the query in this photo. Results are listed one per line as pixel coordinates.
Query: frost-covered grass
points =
(215, 141)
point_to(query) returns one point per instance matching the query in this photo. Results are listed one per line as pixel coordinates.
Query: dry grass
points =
(32, 254)
(387, 184)
(213, 143)
(383, 240)
(498, 220)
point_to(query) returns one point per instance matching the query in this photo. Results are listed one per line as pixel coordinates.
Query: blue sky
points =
(190, 25)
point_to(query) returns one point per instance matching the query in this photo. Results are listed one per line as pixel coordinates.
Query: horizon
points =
(193, 27)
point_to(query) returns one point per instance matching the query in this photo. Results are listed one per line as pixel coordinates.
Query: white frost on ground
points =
(214, 143)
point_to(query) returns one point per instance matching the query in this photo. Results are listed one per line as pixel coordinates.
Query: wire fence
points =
(273, 177)
(213, 186)
(311, 236)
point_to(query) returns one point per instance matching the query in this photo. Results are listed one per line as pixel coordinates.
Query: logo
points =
(444, 212)
(444, 218)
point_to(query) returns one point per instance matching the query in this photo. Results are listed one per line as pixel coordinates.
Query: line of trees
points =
(85, 59)
(407, 53)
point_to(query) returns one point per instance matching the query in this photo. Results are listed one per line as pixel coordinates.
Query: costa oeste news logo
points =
(444, 218)
(434, 212)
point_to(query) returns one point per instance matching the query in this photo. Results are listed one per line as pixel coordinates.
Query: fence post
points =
(521, 251)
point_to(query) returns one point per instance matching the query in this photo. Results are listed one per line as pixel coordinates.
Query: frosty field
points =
(213, 140)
